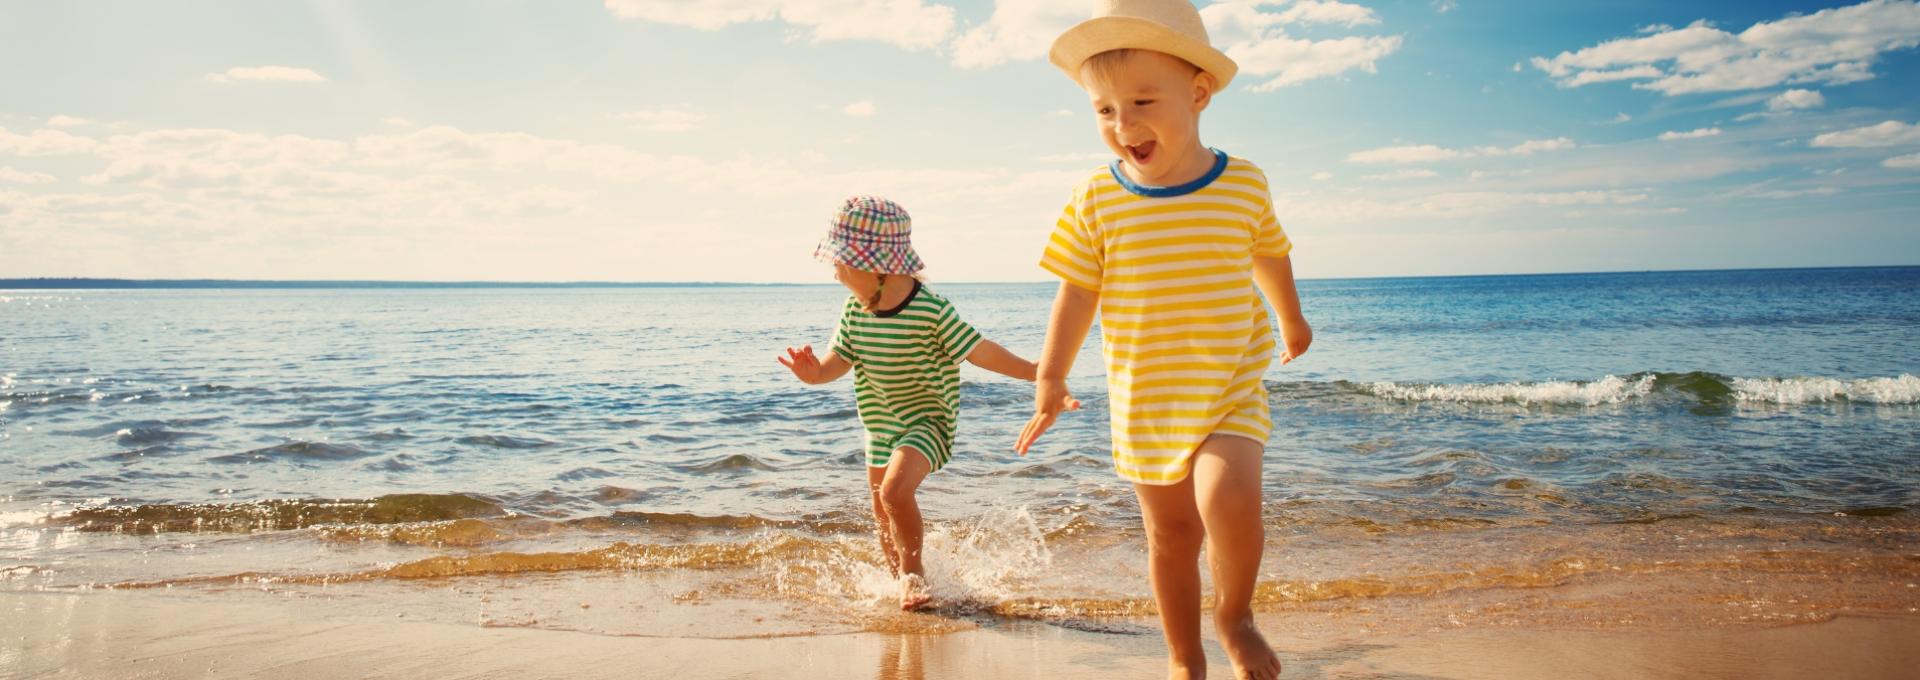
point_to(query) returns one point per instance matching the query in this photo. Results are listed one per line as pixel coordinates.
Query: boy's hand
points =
(803, 363)
(1297, 335)
(1050, 397)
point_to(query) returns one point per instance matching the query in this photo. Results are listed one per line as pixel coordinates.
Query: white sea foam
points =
(1609, 390)
(1902, 390)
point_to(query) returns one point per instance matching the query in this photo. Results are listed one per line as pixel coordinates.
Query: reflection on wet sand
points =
(903, 658)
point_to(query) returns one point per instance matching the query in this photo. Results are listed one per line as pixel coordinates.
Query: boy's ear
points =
(1203, 84)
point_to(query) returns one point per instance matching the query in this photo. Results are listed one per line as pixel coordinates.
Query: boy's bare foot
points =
(914, 593)
(1178, 671)
(1252, 658)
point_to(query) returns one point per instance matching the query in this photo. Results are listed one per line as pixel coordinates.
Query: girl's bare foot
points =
(914, 593)
(1252, 658)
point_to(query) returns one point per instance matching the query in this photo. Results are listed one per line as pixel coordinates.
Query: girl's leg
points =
(874, 476)
(1226, 486)
(904, 473)
(1174, 536)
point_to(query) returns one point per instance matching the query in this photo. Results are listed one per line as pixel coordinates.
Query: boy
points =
(1169, 243)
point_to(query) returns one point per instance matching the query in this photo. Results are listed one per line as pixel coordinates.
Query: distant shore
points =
(89, 283)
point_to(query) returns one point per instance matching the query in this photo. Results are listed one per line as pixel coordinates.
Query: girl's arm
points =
(1274, 275)
(1073, 309)
(810, 369)
(991, 356)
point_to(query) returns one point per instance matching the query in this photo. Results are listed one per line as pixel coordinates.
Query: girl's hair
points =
(872, 303)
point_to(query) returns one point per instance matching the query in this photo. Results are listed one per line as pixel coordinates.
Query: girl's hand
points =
(803, 363)
(1297, 335)
(1050, 397)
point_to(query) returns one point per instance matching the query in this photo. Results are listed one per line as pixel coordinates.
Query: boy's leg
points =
(1226, 486)
(1174, 536)
(904, 473)
(875, 475)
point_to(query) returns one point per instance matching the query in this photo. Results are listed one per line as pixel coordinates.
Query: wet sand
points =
(193, 635)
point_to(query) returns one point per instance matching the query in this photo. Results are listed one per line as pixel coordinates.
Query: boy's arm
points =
(1274, 276)
(991, 356)
(810, 369)
(1073, 309)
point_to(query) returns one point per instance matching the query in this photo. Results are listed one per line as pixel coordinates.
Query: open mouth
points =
(1140, 153)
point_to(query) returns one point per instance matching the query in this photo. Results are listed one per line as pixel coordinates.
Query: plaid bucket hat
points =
(872, 234)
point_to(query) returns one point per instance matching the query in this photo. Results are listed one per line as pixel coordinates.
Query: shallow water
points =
(1443, 437)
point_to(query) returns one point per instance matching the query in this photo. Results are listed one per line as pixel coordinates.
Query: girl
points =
(904, 344)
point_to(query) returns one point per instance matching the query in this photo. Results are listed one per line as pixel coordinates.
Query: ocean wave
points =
(1609, 390)
(1696, 387)
(1902, 390)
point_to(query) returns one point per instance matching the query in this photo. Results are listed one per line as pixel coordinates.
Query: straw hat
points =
(1170, 26)
(871, 234)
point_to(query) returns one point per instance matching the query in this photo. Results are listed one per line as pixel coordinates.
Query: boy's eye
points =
(1142, 102)
(1104, 110)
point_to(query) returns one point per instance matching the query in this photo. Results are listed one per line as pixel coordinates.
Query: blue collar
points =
(1219, 166)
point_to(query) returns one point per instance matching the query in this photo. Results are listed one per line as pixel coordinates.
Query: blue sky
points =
(644, 140)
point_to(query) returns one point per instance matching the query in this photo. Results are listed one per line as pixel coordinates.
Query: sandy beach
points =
(170, 635)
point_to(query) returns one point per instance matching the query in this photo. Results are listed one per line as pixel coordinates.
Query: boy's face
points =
(1148, 111)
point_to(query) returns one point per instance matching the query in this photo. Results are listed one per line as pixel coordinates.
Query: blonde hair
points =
(872, 304)
(1106, 65)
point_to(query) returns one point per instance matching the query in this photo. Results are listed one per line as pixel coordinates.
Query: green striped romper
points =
(906, 373)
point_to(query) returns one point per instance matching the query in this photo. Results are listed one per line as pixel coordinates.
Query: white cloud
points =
(1796, 99)
(1445, 205)
(1672, 135)
(1796, 193)
(44, 143)
(1832, 46)
(1622, 118)
(8, 174)
(1422, 153)
(1528, 148)
(68, 121)
(1909, 161)
(859, 109)
(1326, 12)
(1426, 153)
(1291, 62)
(1062, 113)
(268, 74)
(1322, 176)
(1258, 41)
(1409, 173)
(662, 120)
(1604, 76)
(399, 121)
(1445, 6)
(905, 23)
(1017, 30)
(1889, 133)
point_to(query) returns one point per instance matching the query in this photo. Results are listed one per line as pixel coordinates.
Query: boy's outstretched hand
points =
(1050, 397)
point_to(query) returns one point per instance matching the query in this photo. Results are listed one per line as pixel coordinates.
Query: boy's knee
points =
(1180, 536)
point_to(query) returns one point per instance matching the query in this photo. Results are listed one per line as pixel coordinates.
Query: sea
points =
(1648, 448)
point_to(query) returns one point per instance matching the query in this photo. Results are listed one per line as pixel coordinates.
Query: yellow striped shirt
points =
(1186, 336)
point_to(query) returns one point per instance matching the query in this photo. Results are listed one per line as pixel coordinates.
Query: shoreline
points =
(174, 635)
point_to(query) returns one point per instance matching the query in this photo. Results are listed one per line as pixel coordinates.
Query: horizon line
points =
(88, 282)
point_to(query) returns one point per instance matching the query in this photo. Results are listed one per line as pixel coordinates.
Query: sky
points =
(671, 140)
